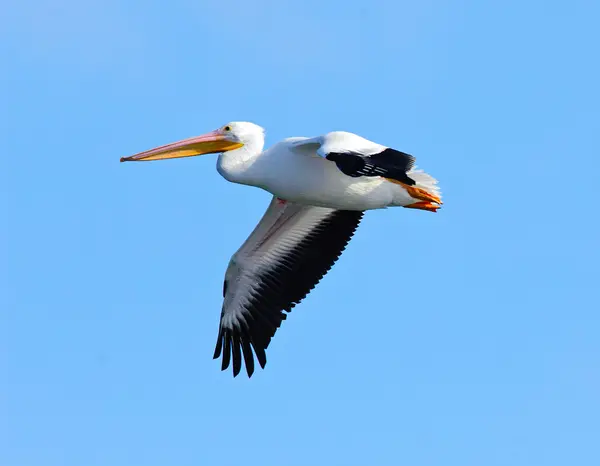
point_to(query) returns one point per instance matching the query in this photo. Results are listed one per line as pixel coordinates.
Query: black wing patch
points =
(390, 163)
(282, 287)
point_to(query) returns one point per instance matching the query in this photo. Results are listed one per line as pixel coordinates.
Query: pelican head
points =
(228, 137)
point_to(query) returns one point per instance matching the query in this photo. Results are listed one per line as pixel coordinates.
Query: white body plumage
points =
(295, 169)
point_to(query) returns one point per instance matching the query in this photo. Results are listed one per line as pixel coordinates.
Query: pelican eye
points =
(227, 128)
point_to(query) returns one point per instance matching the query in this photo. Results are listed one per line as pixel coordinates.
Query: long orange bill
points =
(208, 143)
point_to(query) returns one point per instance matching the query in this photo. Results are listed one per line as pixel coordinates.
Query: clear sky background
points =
(466, 337)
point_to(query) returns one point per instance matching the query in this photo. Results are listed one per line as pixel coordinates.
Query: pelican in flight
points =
(321, 187)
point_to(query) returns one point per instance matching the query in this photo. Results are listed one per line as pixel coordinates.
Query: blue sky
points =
(473, 338)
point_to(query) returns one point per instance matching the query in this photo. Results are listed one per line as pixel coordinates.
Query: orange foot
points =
(424, 206)
(418, 193)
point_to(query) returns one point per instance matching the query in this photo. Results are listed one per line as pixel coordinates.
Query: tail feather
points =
(425, 181)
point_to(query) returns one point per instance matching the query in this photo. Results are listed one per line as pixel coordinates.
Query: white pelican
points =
(321, 187)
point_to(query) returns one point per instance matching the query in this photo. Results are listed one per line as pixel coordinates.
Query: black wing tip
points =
(218, 346)
(408, 159)
(389, 163)
(236, 346)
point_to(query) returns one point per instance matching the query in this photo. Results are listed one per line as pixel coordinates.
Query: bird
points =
(321, 188)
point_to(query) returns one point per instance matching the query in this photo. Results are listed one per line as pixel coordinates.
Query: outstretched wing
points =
(283, 259)
(356, 156)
